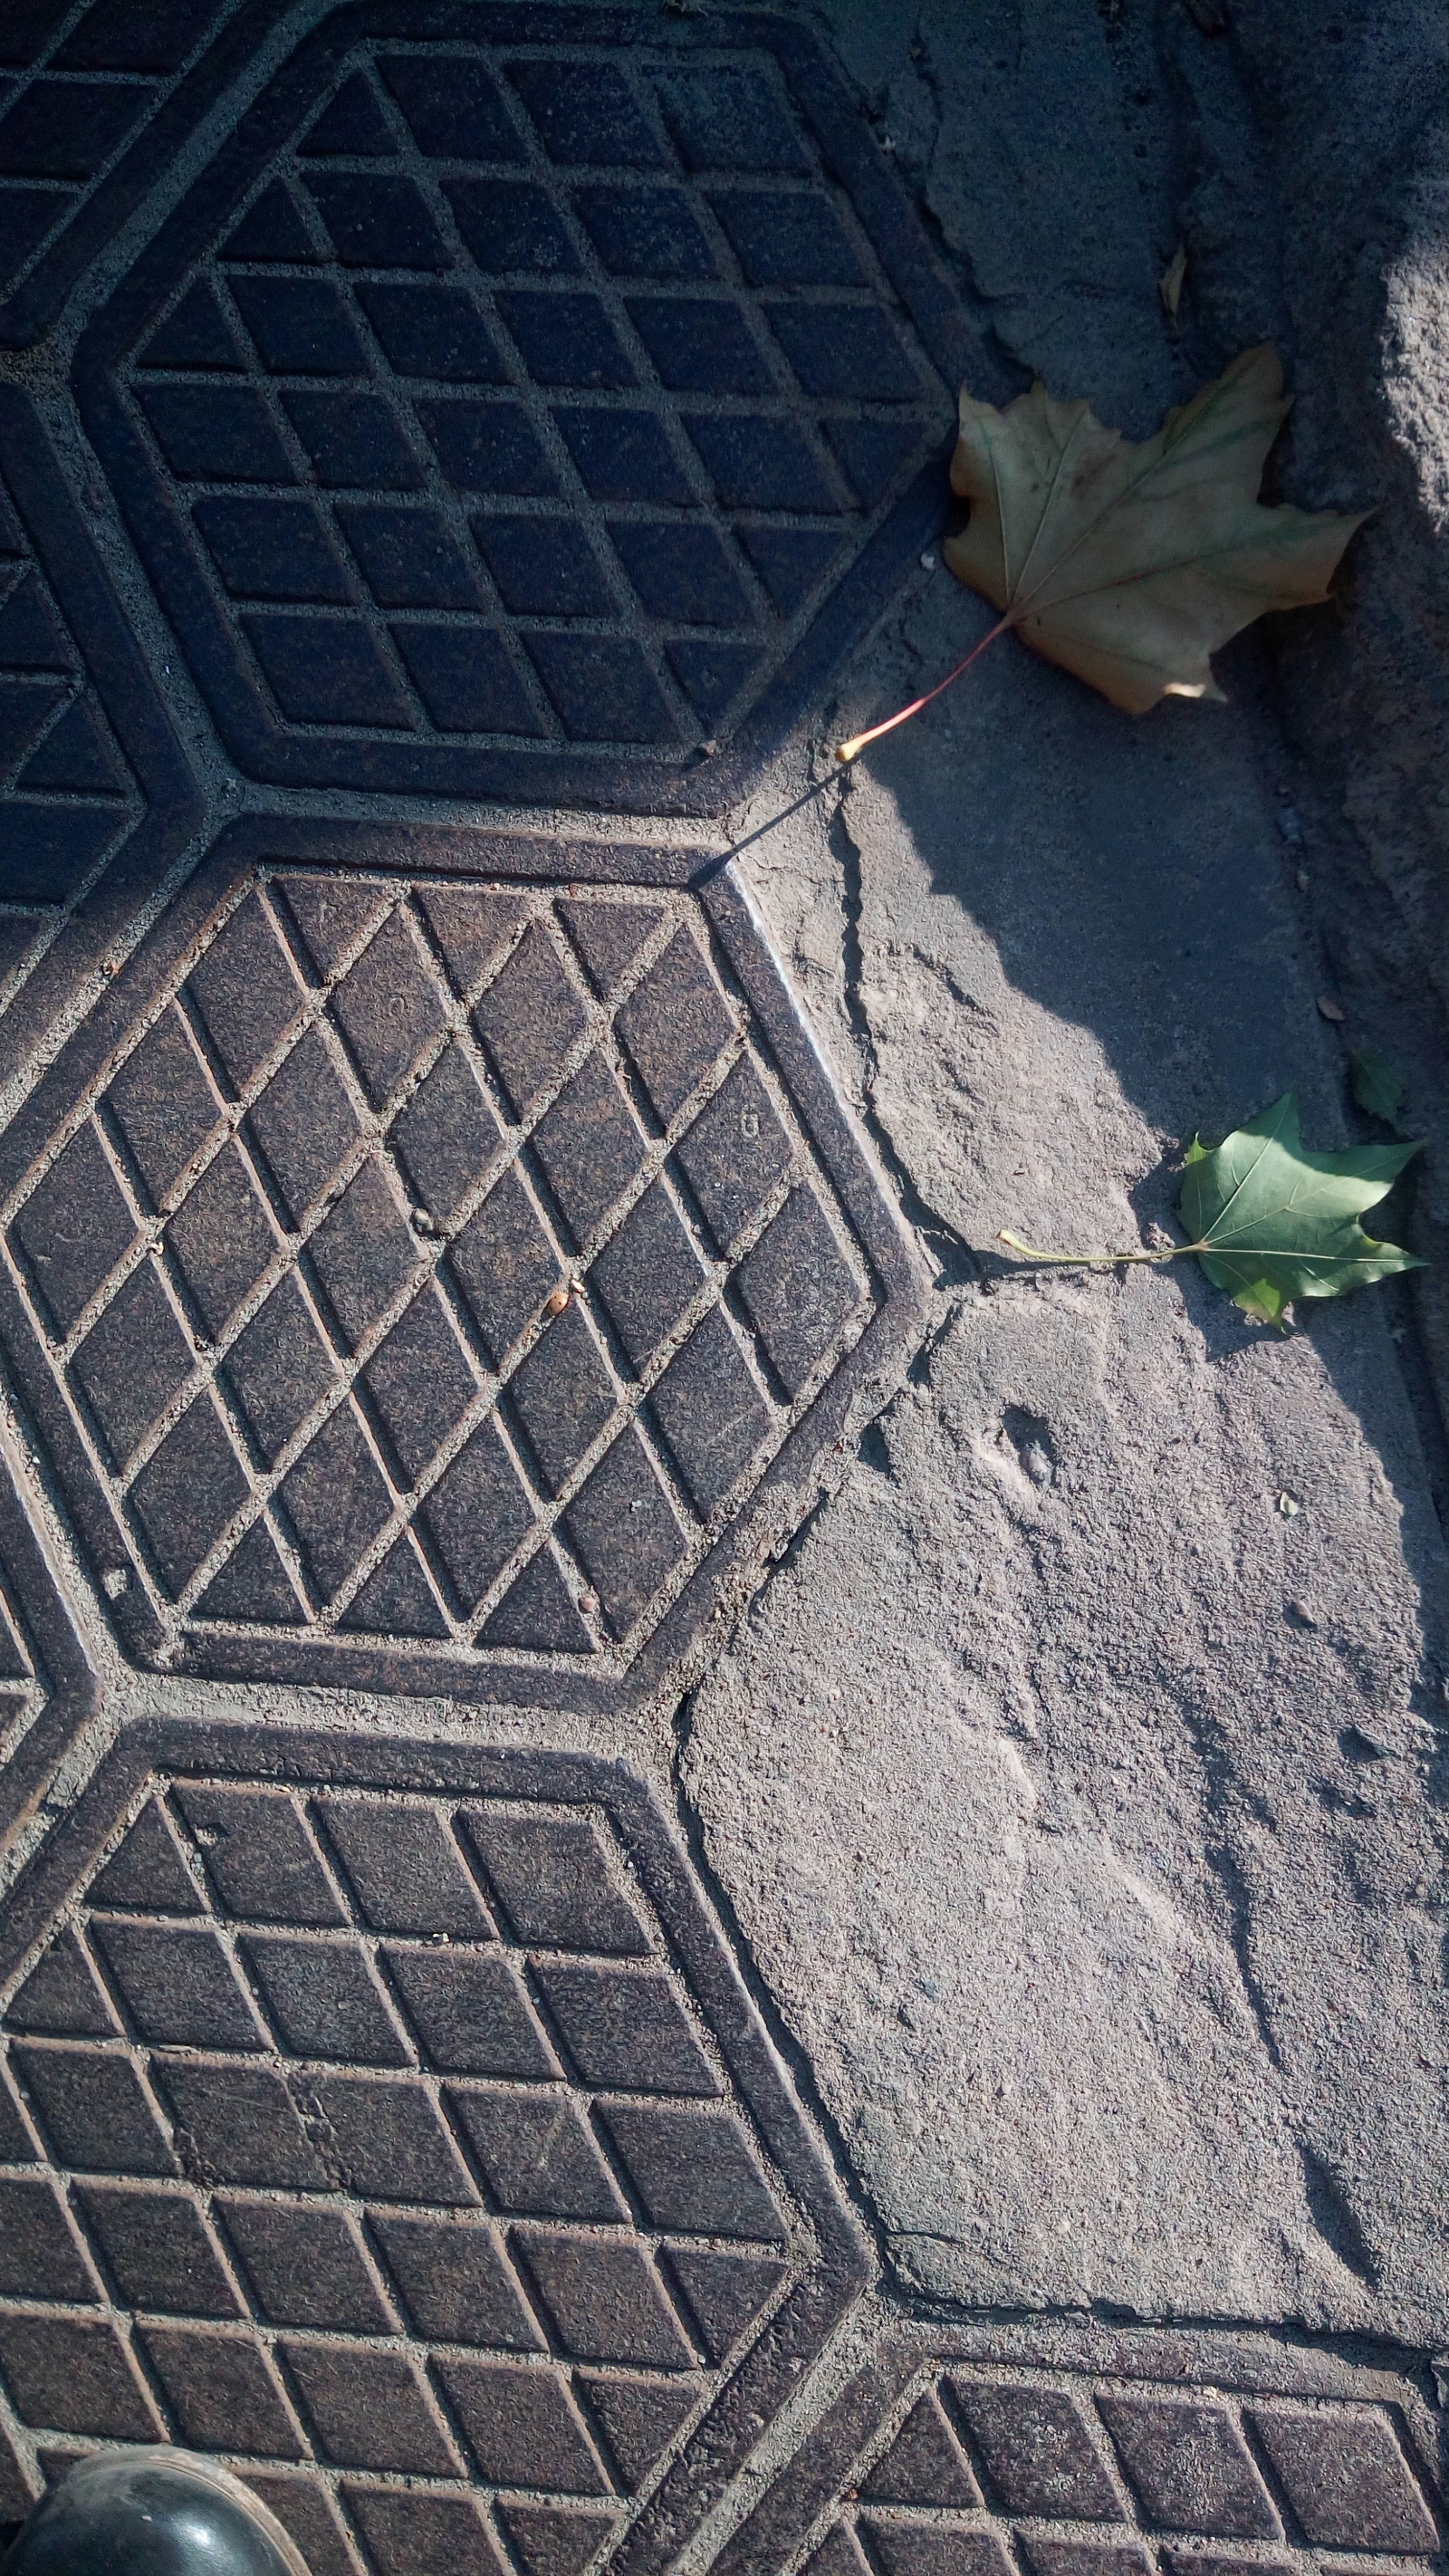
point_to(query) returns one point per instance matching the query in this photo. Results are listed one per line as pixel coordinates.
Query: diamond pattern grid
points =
(981, 2466)
(374, 2144)
(94, 96)
(84, 748)
(434, 1265)
(523, 415)
(67, 794)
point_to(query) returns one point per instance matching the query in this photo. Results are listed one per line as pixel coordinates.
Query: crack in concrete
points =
(1215, 1756)
(922, 2303)
(956, 1260)
(1326, 2199)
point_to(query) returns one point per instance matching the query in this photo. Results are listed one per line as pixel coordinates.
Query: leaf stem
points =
(1097, 1260)
(847, 751)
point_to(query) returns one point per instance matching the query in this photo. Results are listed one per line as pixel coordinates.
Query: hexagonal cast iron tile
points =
(95, 800)
(96, 98)
(1167, 2451)
(430, 1283)
(527, 400)
(47, 1688)
(401, 2133)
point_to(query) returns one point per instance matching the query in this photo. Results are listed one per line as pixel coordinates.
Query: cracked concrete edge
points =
(1329, 252)
(801, 881)
(944, 1239)
(957, 1264)
(884, 2332)
(916, 2265)
(901, 2251)
(887, 2334)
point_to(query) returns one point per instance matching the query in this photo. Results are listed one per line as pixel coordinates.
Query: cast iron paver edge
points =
(113, 662)
(797, 2332)
(33, 305)
(710, 784)
(828, 2470)
(774, 1504)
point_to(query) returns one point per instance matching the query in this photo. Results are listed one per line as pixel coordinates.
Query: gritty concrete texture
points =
(1352, 107)
(1296, 151)
(1117, 1653)
(1072, 1788)
(1064, 1662)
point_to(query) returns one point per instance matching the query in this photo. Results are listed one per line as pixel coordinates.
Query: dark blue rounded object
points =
(151, 2513)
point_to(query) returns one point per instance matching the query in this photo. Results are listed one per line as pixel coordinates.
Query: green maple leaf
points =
(1271, 1222)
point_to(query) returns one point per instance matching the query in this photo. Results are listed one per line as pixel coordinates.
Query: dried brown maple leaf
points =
(1130, 565)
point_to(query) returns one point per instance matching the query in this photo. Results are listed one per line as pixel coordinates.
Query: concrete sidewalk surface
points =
(697, 1872)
